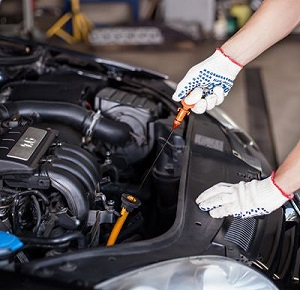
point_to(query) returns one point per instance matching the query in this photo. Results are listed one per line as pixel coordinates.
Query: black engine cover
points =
(21, 149)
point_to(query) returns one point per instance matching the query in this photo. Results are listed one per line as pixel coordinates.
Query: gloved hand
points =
(244, 199)
(213, 79)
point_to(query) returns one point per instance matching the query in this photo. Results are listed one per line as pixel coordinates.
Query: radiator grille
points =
(241, 232)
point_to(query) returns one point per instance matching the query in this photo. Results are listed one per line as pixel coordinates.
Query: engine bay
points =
(77, 139)
(94, 182)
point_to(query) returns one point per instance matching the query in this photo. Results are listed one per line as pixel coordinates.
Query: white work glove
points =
(244, 199)
(207, 83)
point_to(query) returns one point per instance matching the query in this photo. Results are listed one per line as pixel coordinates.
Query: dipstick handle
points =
(182, 112)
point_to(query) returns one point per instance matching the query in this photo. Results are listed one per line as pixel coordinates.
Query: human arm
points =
(272, 21)
(287, 175)
(247, 199)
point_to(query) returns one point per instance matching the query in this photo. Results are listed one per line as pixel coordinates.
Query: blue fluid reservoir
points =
(9, 243)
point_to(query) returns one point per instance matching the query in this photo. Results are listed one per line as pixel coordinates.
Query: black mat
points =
(258, 115)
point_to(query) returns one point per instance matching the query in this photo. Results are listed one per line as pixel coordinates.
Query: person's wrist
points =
(281, 186)
(229, 57)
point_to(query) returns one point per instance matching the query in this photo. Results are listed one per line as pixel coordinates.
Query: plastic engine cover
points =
(21, 149)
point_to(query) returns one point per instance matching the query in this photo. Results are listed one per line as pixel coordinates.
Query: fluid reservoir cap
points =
(9, 242)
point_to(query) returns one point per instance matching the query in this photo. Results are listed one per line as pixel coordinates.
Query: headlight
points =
(201, 273)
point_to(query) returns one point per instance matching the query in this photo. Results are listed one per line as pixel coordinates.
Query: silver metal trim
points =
(27, 144)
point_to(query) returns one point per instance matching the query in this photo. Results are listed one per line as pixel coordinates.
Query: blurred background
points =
(170, 36)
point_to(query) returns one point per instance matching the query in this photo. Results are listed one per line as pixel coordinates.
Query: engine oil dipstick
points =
(153, 164)
(129, 203)
(182, 112)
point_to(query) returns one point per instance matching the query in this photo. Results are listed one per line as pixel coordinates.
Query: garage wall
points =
(201, 11)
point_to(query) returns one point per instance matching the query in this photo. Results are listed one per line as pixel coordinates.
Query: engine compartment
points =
(79, 140)
(76, 138)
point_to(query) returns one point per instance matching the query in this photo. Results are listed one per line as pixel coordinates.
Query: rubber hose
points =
(22, 60)
(38, 213)
(106, 130)
(51, 242)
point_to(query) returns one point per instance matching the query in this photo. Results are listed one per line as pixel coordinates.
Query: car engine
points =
(94, 181)
(75, 141)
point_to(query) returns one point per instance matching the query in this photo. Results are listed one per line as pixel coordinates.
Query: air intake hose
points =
(81, 119)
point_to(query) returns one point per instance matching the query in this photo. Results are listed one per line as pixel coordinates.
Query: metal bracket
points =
(95, 117)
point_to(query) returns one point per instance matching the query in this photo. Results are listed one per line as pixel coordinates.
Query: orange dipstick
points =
(182, 112)
(129, 203)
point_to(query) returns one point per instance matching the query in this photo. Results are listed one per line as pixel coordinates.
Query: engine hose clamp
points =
(95, 117)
